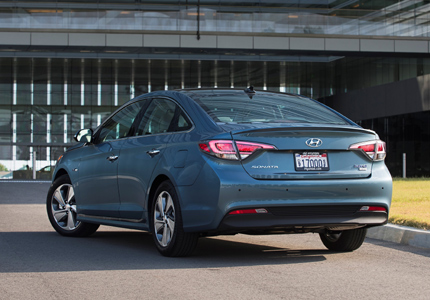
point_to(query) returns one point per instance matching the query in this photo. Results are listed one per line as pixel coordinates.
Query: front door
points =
(97, 185)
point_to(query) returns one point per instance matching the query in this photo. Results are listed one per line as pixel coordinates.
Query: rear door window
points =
(163, 116)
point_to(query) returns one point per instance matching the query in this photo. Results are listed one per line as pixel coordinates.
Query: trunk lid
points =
(307, 152)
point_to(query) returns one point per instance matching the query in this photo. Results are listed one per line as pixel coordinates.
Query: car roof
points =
(202, 92)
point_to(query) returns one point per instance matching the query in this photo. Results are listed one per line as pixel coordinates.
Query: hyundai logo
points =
(314, 142)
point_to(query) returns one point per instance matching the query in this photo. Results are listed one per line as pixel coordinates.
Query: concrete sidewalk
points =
(401, 235)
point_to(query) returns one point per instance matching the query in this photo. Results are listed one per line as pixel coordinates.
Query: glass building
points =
(66, 65)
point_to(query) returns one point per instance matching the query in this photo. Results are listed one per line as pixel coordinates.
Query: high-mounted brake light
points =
(228, 149)
(375, 150)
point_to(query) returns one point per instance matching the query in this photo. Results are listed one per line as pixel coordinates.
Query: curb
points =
(401, 235)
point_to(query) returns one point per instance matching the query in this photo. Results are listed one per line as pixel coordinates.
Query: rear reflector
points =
(248, 211)
(373, 208)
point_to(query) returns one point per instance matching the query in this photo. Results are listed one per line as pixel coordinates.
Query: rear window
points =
(237, 107)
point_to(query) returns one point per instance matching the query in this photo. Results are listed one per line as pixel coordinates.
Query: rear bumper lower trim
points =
(267, 221)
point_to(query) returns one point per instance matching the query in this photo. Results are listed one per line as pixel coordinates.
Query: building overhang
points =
(212, 46)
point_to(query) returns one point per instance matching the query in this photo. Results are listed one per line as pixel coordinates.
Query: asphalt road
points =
(37, 263)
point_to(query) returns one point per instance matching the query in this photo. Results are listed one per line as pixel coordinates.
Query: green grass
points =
(411, 202)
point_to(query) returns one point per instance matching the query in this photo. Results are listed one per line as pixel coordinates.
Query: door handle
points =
(112, 158)
(153, 152)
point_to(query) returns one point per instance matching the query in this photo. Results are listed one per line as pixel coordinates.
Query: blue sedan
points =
(203, 162)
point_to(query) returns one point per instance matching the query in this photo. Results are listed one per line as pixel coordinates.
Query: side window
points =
(163, 116)
(119, 125)
(183, 123)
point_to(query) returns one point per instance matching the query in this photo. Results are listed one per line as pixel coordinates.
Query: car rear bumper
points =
(301, 222)
(217, 191)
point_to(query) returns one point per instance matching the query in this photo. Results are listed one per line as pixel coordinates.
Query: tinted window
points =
(182, 123)
(162, 116)
(119, 125)
(238, 107)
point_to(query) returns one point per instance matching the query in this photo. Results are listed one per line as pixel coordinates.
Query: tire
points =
(61, 209)
(344, 241)
(166, 223)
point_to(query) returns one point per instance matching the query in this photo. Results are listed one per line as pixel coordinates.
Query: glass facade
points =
(368, 18)
(44, 102)
(409, 134)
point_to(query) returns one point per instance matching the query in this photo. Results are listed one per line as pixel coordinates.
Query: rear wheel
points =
(347, 240)
(61, 209)
(166, 223)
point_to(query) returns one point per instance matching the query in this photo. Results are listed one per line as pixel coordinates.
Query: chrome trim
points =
(153, 152)
(314, 142)
(112, 158)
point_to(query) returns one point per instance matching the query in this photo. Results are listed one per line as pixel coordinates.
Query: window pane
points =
(118, 126)
(158, 118)
(183, 123)
(238, 107)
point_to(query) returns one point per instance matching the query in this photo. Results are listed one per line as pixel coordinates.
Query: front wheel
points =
(61, 209)
(347, 240)
(166, 223)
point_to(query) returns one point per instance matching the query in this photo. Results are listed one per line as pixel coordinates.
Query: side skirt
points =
(141, 224)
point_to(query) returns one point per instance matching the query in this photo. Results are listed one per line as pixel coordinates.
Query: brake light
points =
(228, 149)
(375, 150)
(246, 148)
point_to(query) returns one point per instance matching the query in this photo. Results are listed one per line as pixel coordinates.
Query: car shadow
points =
(134, 250)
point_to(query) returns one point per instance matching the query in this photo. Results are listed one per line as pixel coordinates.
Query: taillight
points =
(375, 150)
(246, 148)
(228, 149)
(220, 148)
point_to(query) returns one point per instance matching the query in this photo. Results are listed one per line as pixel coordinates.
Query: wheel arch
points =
(60, 173)
(157, 181)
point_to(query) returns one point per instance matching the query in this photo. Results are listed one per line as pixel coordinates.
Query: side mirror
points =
(84, 136)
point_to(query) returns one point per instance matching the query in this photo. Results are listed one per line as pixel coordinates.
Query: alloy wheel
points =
(164, 218)
(63, 207)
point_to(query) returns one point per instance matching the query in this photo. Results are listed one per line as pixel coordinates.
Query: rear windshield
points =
(237, 107)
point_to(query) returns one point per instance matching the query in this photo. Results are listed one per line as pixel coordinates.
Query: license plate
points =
(311, 161)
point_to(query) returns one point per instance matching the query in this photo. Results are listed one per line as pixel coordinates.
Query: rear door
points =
(141, 153)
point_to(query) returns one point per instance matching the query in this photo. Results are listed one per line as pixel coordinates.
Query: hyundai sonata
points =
(203, 162)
